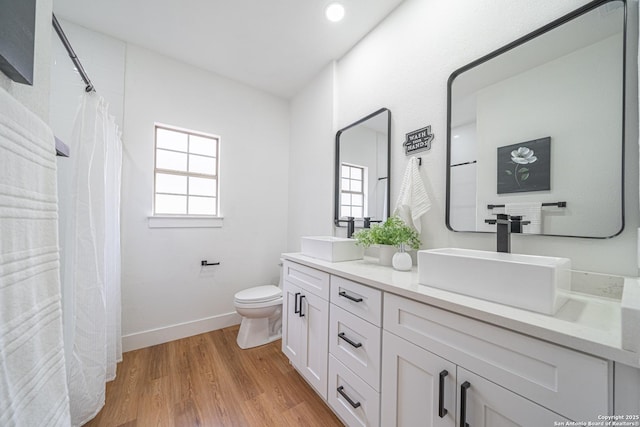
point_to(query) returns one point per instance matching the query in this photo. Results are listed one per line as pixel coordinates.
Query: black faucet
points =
(368, 221)
(505, 225)
(351, 225)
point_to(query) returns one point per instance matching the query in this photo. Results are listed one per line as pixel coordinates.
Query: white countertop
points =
(586, 323)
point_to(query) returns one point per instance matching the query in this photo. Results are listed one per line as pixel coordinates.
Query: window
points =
(186, 173)
(352, 191)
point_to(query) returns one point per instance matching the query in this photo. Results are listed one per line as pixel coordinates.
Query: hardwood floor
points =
(207, 380)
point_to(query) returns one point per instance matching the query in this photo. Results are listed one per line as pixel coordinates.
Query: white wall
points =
(163, 285)
(36, 97)
(166, 294)
(103, 58)
(404, 65)
(312, 160)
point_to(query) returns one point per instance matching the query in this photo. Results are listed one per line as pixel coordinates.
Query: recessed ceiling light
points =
(334, 12)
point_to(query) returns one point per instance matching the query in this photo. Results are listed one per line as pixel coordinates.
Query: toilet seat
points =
(258, 294)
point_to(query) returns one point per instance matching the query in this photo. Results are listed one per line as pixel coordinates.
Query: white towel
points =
(33, 387)
(413, 201)
(531, 212)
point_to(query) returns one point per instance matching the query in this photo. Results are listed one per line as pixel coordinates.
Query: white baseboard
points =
(177, 331)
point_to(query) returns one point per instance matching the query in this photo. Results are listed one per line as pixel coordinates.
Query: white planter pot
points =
(385, 254)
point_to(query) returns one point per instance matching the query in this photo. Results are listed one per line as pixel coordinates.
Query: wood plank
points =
(207, 380)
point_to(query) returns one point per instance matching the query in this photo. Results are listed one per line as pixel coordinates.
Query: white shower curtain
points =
(92, 258)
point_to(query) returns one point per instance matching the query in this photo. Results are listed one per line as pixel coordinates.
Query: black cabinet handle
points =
(296, 310)
(441, 409)
(301, 314)
(463, 404)
(347, 296)
(355, 344)
(347, 398)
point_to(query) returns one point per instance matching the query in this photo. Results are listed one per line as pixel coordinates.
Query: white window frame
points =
(185, 220)
(363, 192)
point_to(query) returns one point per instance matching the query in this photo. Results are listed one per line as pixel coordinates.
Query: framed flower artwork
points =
(524, 167)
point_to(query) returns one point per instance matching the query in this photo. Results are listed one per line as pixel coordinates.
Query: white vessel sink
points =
(630, 312)
(329, 248)
(536, 283)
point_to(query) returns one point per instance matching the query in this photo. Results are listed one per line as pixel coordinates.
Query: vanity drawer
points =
(568, 382)
(356, 343)
(361, 300)
(355, 402)
(309, 279)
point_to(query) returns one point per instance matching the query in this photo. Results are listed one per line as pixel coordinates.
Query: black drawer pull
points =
(463, 404)
(347, 296)
(441, 409)
(301, 313)
(347, 398)
(355, 344)
(296, 310)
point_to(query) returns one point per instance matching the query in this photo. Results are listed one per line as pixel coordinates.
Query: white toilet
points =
(261, 311)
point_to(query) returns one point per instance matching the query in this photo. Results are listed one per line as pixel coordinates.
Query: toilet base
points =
(257, 332)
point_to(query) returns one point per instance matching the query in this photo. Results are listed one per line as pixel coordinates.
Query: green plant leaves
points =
(392, 232)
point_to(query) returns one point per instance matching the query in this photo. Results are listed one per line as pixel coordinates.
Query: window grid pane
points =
(202, 164)
(352, 191)
(202, 205)
(186, 169)
(171, 184)
(202, 186)
(171, 204)
(171, 160)
(203, 146)
(171, 140)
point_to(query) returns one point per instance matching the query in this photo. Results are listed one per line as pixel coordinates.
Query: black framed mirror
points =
(362, 168)
(536, 128)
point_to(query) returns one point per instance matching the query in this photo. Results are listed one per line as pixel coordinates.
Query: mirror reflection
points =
(362, 170)
(536, 129)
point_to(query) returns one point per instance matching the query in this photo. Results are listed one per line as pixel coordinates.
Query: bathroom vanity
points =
(383, 350)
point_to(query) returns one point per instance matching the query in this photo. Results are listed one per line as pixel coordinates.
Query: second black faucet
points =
(505, 225)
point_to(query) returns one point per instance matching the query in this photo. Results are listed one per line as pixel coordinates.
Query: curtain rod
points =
(72, 54)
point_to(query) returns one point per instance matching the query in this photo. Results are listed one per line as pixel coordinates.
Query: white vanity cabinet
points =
(305, 322)
(355, 352)
(539, 382)
(381, 357)
(419, 385)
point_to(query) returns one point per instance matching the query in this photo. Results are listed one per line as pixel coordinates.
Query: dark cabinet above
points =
(17, 35)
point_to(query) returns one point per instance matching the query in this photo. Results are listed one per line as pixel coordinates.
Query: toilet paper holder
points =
(204, 262)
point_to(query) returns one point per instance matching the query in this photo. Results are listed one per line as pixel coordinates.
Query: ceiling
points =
(274, 45)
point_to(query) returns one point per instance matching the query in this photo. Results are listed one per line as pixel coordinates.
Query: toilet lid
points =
(259, 294)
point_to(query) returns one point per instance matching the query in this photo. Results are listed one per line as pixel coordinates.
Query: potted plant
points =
(391, 235)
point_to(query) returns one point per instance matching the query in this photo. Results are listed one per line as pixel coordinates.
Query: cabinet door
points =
(314, 351)
(486, 404)
(416, 384)
(291, 322)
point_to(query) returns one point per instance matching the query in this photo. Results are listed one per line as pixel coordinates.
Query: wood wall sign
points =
(418, 140)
